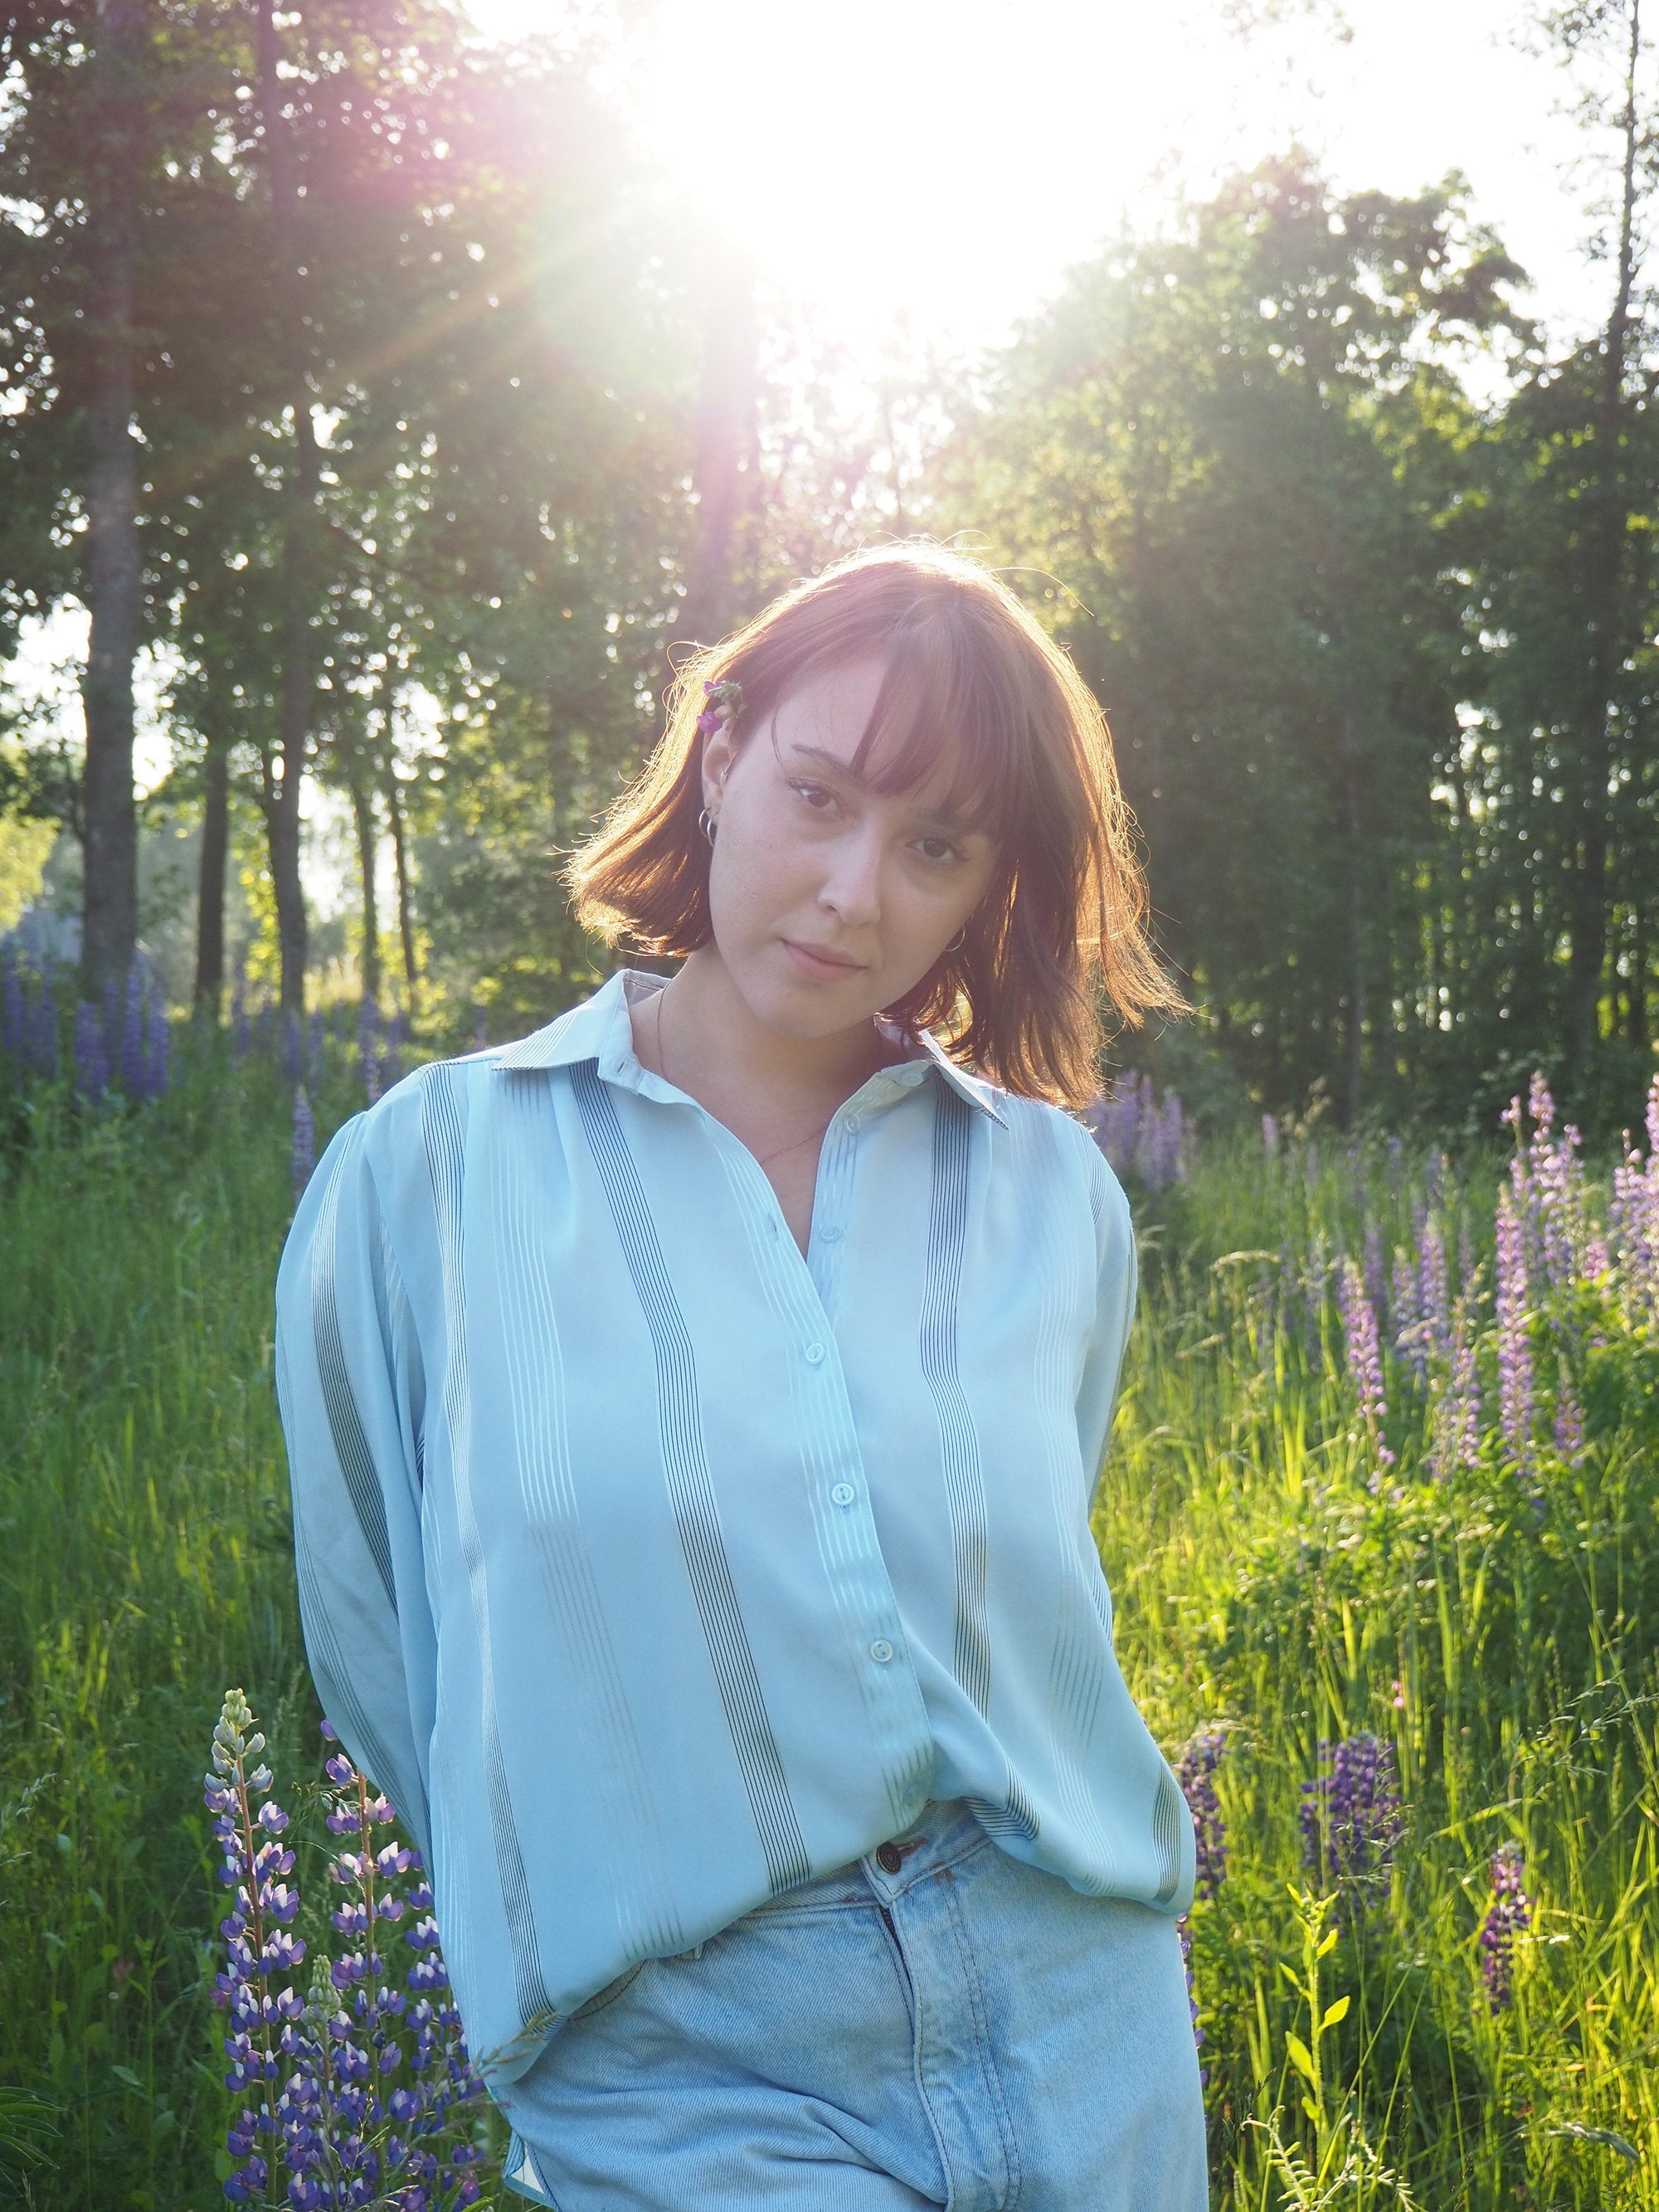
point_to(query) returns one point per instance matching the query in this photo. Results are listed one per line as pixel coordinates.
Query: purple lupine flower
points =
(158, 1055)
(315, 1048)
(1569, 1424)
(1409, 1335)
(293, 1049)
(1507, 1916)
(480, 1029)
(91, 1066)
(1194, 1770)
(369, 2016)
(1365, 1356)
(1270, 1136)
(1635, 1218)
(302, 1150)
(1514, 1337)
(43, 1026)
(1458, 1413)
(1352, 1818)
(1433, 1293)
(253, 1865)
(1140, 1134)
(1376, 1280)
(331, 2102)
(240, 1038)
(368, 1024)
(14, 1015)
(1186, 1935)
(134, 1062)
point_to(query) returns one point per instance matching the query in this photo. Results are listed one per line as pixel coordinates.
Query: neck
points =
(715, 1043)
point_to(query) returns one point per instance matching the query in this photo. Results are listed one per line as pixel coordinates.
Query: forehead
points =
(888, 728)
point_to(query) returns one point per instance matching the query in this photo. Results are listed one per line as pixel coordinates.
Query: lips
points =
(820, 959)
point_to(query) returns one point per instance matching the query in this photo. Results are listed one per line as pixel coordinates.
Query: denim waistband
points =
(944, 1832)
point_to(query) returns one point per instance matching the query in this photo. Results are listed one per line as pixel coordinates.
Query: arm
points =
(349, 1389)
(1115, 1307)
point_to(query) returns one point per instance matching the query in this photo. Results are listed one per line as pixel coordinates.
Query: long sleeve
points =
(1114, 1313)
(350, 1392)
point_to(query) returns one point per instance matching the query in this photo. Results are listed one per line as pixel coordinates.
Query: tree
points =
(1224, 448)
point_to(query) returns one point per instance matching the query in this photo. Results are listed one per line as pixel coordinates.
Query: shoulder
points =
(1051, 1142)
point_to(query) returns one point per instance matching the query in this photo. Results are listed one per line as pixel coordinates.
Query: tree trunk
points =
(210, 894)
(725, 406)
(363, 812)
(296, 697)
(1605, 615)
(394, 807)
(114, 581)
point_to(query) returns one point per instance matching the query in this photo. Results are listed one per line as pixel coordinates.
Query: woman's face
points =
(830, 900)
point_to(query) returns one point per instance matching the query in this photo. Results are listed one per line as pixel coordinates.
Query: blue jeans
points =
(938, 2024)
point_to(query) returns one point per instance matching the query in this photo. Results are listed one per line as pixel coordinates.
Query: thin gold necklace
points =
(762, 1160)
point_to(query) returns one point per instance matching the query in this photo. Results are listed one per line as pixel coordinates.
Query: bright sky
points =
(949, 158)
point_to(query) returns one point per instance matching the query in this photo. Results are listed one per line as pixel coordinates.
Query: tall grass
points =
(1272, 1579)
(1265, 1581)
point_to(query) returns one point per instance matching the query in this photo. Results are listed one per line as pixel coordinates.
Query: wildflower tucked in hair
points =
(1352, 1818)
(1509, 1914)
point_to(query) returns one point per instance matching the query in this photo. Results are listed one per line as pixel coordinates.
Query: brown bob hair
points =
(972, 682)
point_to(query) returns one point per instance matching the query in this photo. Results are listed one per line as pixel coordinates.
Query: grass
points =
(1508, 1650)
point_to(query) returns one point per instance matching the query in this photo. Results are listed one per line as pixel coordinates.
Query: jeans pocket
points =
(609, 1993)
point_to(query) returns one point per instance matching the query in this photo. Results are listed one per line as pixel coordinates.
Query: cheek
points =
(756, 868)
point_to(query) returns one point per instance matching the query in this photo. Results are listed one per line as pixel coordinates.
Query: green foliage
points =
(1267, 1580)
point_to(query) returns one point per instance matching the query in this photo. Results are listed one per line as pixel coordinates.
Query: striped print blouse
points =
(650, 1568)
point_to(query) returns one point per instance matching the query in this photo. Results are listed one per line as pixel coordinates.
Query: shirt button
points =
(844, 1493)
(881, 1650)
(814, 1355)
(851, 1125)
(831, 1236)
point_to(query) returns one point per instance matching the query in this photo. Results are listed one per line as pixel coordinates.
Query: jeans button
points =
(889, 1857)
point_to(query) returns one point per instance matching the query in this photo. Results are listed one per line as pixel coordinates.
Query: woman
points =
(694, 1411)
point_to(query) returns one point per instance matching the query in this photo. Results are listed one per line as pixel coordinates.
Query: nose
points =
(851, 888)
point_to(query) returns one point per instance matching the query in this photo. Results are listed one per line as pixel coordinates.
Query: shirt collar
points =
(598, 1028)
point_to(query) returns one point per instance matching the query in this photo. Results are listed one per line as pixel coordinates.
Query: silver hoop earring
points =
(707, 824)
(957, 941)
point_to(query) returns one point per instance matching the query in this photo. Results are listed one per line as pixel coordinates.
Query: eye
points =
(817, 796)
(937, 849)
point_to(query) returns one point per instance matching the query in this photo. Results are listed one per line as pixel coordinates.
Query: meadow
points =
(1382, 1479)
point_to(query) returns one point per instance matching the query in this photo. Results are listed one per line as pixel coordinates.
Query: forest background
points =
(394, 418)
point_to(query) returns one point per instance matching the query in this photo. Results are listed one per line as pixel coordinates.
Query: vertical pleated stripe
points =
(938, 1338)
(445, 1150)
(647, 1921)
(691, 1492)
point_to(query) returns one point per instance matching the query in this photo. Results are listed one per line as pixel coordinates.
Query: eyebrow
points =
(956, 825)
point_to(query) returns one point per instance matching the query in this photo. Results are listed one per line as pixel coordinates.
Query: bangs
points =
(946, 712)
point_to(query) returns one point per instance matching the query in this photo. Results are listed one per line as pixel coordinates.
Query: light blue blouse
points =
(650, 1568)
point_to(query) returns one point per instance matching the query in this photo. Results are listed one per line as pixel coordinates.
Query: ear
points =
(718, 754)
